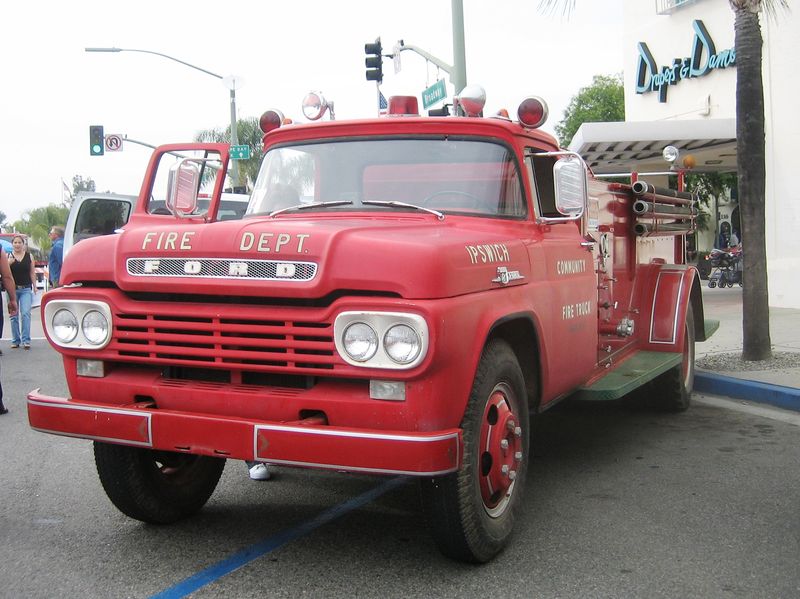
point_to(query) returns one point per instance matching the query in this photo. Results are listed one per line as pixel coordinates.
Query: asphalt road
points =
(620, 503)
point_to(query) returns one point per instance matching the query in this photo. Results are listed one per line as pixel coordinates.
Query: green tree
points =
(601, 102)
(79, 184)
(705, 185)
(37, 223)
(249, 134)
(3, 218)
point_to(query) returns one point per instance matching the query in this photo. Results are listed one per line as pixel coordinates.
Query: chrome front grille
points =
(222, 268)
(243, 342)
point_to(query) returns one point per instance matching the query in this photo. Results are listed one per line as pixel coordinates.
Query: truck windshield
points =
(453, 176)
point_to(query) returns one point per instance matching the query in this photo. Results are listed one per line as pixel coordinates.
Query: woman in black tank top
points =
(24, 272)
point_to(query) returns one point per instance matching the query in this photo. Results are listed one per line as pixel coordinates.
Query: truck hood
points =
(413, 256)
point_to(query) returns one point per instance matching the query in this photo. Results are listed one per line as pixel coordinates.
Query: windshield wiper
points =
(314, 205)
(394, 204)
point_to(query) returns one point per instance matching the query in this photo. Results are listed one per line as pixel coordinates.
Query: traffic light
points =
(97, 145)
(374, 61)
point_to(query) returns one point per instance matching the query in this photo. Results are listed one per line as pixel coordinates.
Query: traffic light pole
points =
(457, 70)
(459, 75)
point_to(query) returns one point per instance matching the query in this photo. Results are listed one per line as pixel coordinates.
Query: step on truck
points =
(402, 296)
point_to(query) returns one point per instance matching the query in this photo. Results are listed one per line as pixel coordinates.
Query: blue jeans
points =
(24, 301)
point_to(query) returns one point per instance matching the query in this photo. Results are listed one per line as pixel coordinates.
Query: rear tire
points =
(672, 391)
(159, 487)
(472, 511)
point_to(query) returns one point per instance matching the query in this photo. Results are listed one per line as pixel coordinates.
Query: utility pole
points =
(459, 75)
(457, 70)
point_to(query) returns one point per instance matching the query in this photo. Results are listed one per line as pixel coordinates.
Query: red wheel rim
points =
(500, 451)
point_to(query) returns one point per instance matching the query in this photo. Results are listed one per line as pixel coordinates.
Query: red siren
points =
(532, 112)
(271, 119)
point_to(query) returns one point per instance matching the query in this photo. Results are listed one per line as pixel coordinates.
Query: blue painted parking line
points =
(779, 396)
(236, 561)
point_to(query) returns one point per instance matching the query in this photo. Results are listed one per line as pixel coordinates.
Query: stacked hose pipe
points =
(660, 211)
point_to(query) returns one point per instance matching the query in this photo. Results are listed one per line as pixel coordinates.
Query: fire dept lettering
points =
(168, 240)
(272, 242)
(570, 267)
(487, 253)
(576, 310)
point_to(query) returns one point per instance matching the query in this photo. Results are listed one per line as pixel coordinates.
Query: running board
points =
(634, 372)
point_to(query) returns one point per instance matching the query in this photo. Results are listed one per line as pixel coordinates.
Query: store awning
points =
(637, 146)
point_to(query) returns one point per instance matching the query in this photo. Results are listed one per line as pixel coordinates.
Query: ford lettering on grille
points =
(222, 268)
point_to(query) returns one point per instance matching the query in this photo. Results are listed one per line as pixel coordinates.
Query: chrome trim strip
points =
(357, 469)
(92, 437)
(354, 434)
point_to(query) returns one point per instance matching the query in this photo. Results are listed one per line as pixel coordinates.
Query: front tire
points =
(472, 511)
(159, 487)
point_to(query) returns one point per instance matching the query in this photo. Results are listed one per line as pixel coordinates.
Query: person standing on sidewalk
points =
(8, 283)
(23, 269)
(56, 255)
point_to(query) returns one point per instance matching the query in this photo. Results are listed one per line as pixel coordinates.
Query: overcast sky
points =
(53, 90)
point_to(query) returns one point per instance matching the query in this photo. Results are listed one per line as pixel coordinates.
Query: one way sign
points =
(113, 142)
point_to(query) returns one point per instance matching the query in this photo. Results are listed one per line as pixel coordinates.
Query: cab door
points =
(567, 295)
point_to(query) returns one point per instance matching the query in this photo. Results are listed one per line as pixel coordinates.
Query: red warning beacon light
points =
(403, 106)
(271, 119)
(532, 112)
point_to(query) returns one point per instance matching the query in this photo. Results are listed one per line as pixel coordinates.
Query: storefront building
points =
(680, 90)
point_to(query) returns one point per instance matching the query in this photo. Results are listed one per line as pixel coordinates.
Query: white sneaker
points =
(259, 472)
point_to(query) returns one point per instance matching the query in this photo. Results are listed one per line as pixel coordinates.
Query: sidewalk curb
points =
(779, 396)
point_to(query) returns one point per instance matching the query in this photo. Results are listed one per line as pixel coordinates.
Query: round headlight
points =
(360, 341)
(95, 327)
(64, 325)
(402, 344)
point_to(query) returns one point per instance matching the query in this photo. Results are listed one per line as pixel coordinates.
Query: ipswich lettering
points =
(487, 253)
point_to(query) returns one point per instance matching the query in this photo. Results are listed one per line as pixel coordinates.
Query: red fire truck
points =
(403, 294)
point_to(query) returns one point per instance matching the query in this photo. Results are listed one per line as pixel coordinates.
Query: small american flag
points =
(383, 105)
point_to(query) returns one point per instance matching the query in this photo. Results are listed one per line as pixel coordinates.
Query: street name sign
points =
(241, 152)
(435, 93)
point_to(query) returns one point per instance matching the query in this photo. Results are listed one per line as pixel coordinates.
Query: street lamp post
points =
(230, 82)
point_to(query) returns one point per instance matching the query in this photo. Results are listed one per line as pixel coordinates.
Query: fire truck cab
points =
(402, 295)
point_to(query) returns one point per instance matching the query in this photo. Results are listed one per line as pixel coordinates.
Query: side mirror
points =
(571, 186)
(184, 183)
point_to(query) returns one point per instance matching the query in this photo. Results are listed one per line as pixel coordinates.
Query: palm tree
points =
(750, 163)
(248, 134)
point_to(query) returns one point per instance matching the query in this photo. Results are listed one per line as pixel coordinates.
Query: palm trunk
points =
(752, 177)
